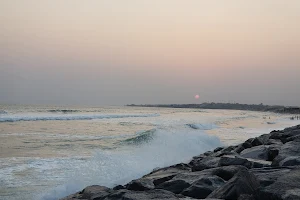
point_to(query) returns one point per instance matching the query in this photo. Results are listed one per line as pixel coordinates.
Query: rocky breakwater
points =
(262, 168)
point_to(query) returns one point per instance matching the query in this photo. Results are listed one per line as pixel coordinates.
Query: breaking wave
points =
(113, 167)
(140, 138)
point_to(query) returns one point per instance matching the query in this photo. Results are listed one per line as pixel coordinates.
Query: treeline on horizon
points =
(229, 106)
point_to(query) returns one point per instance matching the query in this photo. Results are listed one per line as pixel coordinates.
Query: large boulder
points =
(140, 185)
(162, 175)
(176, 186)
(201, 188)
(267, 176)
(244, 182)
(204, 163)
(234, 160)
(226, 172)
(91, 192)
(257, 152)
(141, 195)
(286, 187)
(288, 149)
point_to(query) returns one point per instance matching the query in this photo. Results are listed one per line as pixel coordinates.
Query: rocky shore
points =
(262, 168)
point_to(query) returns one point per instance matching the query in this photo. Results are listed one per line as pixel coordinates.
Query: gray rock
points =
(141, 195)
(90, 192)
(175, 186)
(227, 172)
(287, 150)
(203, 187)
(204, 163)
(267, 176)
(257, 152)
(286, 187)
(290, 161)
(244, 182)
(163, 175)
(230, 160)
(140, 185)
(256, 142)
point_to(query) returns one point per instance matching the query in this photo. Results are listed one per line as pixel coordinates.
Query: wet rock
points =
(244, 182)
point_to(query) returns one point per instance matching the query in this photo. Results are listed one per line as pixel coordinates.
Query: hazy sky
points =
(109, 52)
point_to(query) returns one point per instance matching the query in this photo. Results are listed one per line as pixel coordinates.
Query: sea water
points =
(48, 152)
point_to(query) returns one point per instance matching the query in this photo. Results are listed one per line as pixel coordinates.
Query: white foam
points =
(109, 168)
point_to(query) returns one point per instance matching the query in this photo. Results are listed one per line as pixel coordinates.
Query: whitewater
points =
(48, 152)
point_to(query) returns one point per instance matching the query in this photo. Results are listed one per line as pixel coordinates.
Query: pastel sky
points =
(109, 52)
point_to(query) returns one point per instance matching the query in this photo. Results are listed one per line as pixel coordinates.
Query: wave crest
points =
(202, 126)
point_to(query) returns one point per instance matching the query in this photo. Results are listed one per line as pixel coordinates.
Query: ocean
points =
(48, 152)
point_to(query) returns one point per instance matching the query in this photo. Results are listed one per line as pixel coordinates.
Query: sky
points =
(109, 52)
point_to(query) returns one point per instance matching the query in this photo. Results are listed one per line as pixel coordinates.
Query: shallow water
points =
(49, 152)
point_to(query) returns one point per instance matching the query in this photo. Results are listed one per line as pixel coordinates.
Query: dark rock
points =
(273, 141)
(230, 160)
(163, 175)
(290, 161)
(293, 138)
(118, 187)
(246, 197)
(203, 187)
(89, 191)
(267, 176)
(95, 192)
(204, 163)
(286, 187)
(287, 150)
(227, 172)
(175, 186)
(256, 142)
(140, 185)
(257, 152)
(218, 149)
(244, 182)
(246, 145)
(273, 152)
(141, 195)
(239, 149)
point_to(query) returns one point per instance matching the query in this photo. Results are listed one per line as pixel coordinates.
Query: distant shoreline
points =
(229, 106)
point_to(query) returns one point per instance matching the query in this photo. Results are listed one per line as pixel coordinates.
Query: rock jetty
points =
(262, 168)
(229, 106)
